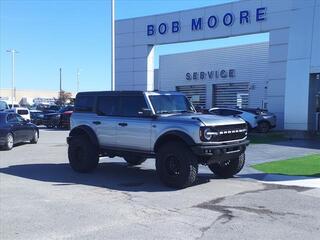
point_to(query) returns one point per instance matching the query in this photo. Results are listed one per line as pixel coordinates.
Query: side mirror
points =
(146, 112)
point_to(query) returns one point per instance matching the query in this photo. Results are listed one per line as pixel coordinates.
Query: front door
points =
(16, 127)
(134, 130)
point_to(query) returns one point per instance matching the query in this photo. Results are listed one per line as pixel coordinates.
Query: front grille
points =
(230, 132)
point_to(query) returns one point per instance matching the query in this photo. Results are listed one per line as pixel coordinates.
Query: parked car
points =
(138, 125)
(47, 108)
(58, 119)
(15, 129)
(257, 119)
(265, 119)
(23, 112)
(36, 117)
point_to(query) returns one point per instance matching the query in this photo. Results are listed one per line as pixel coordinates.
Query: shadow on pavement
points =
(297, 143)
(276, 177)
(114, 175)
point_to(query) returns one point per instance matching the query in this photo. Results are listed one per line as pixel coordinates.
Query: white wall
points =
(249, 61)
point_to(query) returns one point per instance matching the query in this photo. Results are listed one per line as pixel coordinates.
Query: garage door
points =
(195, 93)
(231, 95)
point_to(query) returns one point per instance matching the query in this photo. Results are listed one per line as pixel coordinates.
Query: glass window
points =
(131, 106)
(23, 112)
(229, 112)
(3, 105)
(11, 118)
(171, 104)
(19, 118)
(108, 106)
(84, 104)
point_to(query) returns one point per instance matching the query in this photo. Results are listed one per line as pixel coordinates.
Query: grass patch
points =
(267, 138)
(301, 166)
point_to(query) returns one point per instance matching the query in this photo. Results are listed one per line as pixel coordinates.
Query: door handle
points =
(96, 122)
(123, 124)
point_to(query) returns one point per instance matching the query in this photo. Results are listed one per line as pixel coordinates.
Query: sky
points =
(75, 34)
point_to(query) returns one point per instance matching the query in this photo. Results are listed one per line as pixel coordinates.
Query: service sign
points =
(211, 74)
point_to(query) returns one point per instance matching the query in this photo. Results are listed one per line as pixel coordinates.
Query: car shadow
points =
(53, 129)
(111, 175)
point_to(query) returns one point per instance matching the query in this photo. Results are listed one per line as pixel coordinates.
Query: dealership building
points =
(282, 74)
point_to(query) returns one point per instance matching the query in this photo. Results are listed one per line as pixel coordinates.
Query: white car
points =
(250, 118)
(23, 112)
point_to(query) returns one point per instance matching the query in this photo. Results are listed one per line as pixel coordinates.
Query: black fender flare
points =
(84, 130)
(173, 135)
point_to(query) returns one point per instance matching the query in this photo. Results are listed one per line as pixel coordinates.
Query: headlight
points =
(206, 134)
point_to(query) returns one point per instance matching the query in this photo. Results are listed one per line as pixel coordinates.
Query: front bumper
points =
(229, 150)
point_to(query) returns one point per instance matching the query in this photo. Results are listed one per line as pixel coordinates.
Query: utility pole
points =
(60, 70)
(112, 45)
(78, 83)
(13, 52)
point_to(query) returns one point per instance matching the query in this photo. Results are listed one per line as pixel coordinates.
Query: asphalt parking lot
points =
(42, 198)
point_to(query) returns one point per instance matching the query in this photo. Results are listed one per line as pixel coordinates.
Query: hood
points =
(205, 119)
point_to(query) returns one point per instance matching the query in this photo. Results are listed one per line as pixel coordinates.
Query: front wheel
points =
(35, 137)
(83, 154)
(8, 142)
(263, 127)
(134, 160)
(229, 168)
(176, 165)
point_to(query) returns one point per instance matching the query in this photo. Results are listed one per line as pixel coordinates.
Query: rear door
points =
(133, 130)
(106, 120)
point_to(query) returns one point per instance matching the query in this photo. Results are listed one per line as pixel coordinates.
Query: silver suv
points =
(138, 125)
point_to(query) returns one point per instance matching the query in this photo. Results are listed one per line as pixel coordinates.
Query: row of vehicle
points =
(60, 119)
(42, 114)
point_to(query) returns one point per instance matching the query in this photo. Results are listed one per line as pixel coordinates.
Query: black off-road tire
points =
(9, 142)
(35, 137)
(263, 127)
(228, 168)
(134, 160)
(83, 154)
(187, 164)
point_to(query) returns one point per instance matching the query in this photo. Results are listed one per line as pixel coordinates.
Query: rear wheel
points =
(229, 168)
(9, 142)
(83, 154)
(263, 127)
(176, 165)
(134, 160)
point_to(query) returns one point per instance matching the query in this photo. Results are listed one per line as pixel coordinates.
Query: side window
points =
(229, 112)
(19, 118)
(11, 118)
(217, 112)
(108, 105)
(132, 105)
(84, 104)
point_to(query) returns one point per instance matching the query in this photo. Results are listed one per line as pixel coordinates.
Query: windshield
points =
(163, 104)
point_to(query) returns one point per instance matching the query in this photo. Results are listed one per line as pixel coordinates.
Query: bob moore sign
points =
(211, 75)
(212, 22)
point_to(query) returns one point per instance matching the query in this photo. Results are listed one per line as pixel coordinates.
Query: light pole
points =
(112, 45)
(13, 52)
(78, 82)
